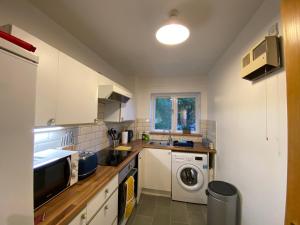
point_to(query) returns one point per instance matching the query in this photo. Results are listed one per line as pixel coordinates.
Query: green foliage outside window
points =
(163, 114)
(186, 116)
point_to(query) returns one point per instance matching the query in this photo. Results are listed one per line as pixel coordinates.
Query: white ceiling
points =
(122, 32)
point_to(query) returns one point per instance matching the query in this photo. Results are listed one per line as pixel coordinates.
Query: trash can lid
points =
(222, 188)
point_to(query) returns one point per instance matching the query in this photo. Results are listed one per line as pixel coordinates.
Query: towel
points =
(130, 198)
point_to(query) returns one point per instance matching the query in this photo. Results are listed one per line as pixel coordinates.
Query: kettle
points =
(130, 135)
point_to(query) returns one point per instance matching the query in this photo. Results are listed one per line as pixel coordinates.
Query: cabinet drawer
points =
(95, 203)
(108, 213)
(80, 219)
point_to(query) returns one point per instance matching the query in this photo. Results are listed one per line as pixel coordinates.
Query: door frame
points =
(291, 31)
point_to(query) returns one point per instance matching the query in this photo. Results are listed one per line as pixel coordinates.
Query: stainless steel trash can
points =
(222, 203)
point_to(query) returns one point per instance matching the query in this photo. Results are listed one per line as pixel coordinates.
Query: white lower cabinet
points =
(102, 209)
(108, 213)
(80, 219)
(101, 197)
(157, 169)
(140, 174)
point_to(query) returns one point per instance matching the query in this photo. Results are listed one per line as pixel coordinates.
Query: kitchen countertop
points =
(198, 148)
(63, 208)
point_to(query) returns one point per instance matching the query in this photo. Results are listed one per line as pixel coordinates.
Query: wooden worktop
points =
(198, 148)
(63, 208)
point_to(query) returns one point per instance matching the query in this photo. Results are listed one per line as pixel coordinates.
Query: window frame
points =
(174, 117)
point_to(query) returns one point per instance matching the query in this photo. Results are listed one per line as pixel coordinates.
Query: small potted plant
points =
(186, 130)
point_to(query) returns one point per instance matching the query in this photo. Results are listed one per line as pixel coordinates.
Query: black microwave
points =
(54, 171)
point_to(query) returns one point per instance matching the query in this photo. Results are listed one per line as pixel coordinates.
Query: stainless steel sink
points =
(160, 142)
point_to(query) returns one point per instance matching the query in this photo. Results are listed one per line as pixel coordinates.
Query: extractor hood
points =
(114, 93)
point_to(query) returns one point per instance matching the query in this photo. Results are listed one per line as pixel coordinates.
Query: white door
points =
(140, 174)
(157, 169)
(77, 92)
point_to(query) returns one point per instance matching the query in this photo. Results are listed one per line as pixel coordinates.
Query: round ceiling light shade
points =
(172, 33)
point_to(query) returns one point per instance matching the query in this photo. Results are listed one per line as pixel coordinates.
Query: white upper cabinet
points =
(77, 90)
(119, 112)
(67, 90)
(128, 110)
(46, 85)
(46, 82)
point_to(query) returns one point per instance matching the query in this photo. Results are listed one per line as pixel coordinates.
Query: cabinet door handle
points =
(106, 207)
(83, 216)
(96, 120)
(106, 192)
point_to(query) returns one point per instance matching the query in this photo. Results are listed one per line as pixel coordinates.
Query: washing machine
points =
(189, 177)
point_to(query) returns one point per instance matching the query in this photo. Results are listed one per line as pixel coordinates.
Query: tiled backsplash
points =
(95, 137)
(86, 137)
(207, 129)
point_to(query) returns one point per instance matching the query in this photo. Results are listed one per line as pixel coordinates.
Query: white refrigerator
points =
(17, 104)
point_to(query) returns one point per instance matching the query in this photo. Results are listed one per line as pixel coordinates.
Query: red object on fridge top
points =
(17, 41)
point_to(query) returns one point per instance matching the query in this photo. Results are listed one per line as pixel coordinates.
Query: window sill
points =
(176, 134)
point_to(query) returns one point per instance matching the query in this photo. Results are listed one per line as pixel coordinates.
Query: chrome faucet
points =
(170, 138)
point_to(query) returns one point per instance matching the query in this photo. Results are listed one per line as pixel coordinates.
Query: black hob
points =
(110, 157)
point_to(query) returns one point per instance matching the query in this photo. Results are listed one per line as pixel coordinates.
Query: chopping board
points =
(123, 148)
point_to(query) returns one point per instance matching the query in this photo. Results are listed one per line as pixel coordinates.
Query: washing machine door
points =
(190, 177)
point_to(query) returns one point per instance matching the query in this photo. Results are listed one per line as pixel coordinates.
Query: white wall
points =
(27, 17)
(145, 86)
(247, 113)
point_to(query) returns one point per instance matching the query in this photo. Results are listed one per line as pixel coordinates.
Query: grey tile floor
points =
(154, 210)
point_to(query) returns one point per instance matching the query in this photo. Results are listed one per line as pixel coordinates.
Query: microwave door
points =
(50, 180)
(70, 169)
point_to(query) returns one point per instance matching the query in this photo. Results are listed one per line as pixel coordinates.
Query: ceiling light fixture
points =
(172, 33)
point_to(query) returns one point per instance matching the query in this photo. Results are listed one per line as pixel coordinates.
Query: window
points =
(175, 112)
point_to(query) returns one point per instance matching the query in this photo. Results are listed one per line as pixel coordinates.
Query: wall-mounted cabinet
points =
(46, 84)
(47, 71)
(119, 112)
(66, 90)
(77, 91)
